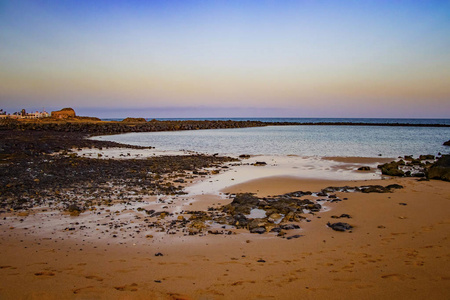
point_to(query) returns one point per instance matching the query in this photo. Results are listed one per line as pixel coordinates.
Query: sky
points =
(160, 59)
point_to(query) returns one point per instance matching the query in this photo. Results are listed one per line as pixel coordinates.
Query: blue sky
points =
(227, 58)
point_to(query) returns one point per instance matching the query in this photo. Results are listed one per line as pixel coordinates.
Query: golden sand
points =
(394, 252)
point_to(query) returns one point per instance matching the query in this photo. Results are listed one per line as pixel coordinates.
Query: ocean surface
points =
(303, 140)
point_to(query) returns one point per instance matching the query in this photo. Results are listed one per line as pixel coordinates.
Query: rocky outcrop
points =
(447, 143)
(440, 169)
(134, 120)
(64, 113)
(392, 169)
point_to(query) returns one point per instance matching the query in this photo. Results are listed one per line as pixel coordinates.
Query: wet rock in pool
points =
(340, 226)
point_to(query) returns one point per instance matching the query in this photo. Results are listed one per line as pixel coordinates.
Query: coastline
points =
(117, 249)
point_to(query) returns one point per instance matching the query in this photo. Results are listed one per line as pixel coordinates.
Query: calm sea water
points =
(362, 141)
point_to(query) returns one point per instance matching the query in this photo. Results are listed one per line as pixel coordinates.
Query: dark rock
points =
(260, 163)
(289, 226)
(314, 207)
(392, 168)
(297, 194)
(394, 186)
(259, 230)
(341, 216)
(440, 169)
(426, 157)
(364, 168)
(244, 156)
(375, 189)
(275, 229)
(159, 254)
(261, 260)
(340, 226)
(447, 143)
(294, 236)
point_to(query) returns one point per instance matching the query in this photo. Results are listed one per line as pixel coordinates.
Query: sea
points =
(303, 140)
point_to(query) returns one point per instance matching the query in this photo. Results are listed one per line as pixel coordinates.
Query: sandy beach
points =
(397, 248)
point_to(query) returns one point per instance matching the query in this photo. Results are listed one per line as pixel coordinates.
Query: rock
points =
(426, 157)
(394, 186)
(364, 168)
(380, 189)
(392, 168)
(134, 120)
(244, 156)
(316, 207)
(440, 169)
(259, 230)
(260, 163)
(419, 174)
(289, 226)
(340, 226)
(240, 221)
(374, 189)
(294, 236)
(64, 113)
(275, 229)
(447, 143)
(341, 216)
(274, 217)
(297, 194)
(159, 254)
(215, 232)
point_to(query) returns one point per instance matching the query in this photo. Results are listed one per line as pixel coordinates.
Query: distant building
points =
(24, 115)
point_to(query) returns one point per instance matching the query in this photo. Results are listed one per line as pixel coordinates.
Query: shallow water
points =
(360, 141)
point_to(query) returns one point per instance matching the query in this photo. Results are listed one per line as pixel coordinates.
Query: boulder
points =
(447, 143)
(392, 169)
(440, 169)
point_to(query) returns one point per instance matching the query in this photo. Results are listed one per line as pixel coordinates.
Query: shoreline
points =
(133, 233)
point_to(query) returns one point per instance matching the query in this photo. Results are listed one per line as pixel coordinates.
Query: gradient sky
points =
(227, 58)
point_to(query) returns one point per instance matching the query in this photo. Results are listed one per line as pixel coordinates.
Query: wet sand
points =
(398, 249)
